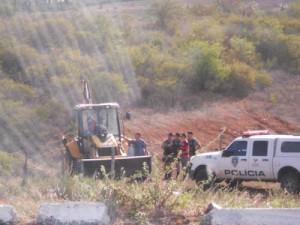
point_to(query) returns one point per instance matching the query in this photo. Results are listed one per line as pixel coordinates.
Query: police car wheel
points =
(290, 183)
(201, 175)
(205, 178)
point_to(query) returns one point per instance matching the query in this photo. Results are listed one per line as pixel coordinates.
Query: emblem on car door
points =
(235, 161)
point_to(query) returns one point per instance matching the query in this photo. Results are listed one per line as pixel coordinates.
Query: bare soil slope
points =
(207, 123)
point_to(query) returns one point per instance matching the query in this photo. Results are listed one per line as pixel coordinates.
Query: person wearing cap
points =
(176, 147)
(184, 151)
(101, 128)
(194, 144)
(168, 157)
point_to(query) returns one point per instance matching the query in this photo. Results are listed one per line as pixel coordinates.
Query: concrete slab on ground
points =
(7, 214)
(76, 213)
(258, 216)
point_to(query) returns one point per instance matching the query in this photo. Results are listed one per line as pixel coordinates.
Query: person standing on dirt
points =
(184, 152)
(176, 147)
(194, 144)
(168, 157)
(139, 145)
(128, 114)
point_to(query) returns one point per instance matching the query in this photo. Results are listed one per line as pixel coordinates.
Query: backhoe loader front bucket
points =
(123, 166)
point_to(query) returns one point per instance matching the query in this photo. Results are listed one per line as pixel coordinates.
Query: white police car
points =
(256, 155)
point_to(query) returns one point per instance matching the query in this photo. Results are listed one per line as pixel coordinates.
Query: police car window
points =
(290, 146)
(260, 148)
(238, 148)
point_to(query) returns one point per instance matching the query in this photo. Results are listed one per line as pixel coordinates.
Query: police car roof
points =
(270, 136)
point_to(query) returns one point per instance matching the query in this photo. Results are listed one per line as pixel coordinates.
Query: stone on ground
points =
(7, 214)
(73, 213)
(256, 216)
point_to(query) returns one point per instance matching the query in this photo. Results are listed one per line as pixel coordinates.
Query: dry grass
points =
(152, 201)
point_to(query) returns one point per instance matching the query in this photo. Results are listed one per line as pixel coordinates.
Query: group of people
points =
(177, 149)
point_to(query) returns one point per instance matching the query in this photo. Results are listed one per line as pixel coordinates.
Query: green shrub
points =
(243, 27)
(168, 14)
(10, 90)
(206, 66)
(292, 58)
(271, 38)
(200, 10)
(294, 10)
(262, 80)
(107, 87)
(54, 32)
(291, 25)
(49, 111)
(243, 50)
(11, 64)
(6, 10)
(241, 79)
(85, 42)
(228, 6)
(6, 162)
(207, 29)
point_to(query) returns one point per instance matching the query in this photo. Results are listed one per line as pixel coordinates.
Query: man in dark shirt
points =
(176, 147)
(193, 143)
(168, 157)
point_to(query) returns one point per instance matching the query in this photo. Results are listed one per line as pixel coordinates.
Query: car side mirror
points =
(227, 153)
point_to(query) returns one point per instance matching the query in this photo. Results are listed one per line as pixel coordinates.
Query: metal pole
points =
(112, 170)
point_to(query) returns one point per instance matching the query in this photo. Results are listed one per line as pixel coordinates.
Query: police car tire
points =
(290, 183)
(201, 175)
(205, 178)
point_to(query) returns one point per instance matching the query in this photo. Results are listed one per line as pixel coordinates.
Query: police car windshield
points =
(238, 148)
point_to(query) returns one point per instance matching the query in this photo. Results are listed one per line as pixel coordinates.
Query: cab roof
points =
(109, 105)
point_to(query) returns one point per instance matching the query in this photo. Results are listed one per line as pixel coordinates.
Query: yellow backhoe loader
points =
(100, 145)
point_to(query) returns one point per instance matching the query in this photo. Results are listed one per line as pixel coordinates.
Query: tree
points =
(168, 14)
(207, 67)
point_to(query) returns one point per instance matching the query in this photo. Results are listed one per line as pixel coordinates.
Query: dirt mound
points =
(229, 118)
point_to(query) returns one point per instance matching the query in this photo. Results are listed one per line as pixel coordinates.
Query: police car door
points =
(234, 163)
(260, 159)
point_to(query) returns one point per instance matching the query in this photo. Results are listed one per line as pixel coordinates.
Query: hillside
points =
(276, 108)
(211, 67)
(207, 123)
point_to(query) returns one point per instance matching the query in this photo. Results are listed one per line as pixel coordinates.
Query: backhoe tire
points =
(290, 182)
(205, 178)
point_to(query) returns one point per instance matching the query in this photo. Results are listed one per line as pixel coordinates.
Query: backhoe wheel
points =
(290, 182)
(205, 178)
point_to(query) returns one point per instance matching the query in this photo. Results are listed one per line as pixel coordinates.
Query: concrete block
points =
(212, 206)
(7, 214)
(76, 213)
(258, 216)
